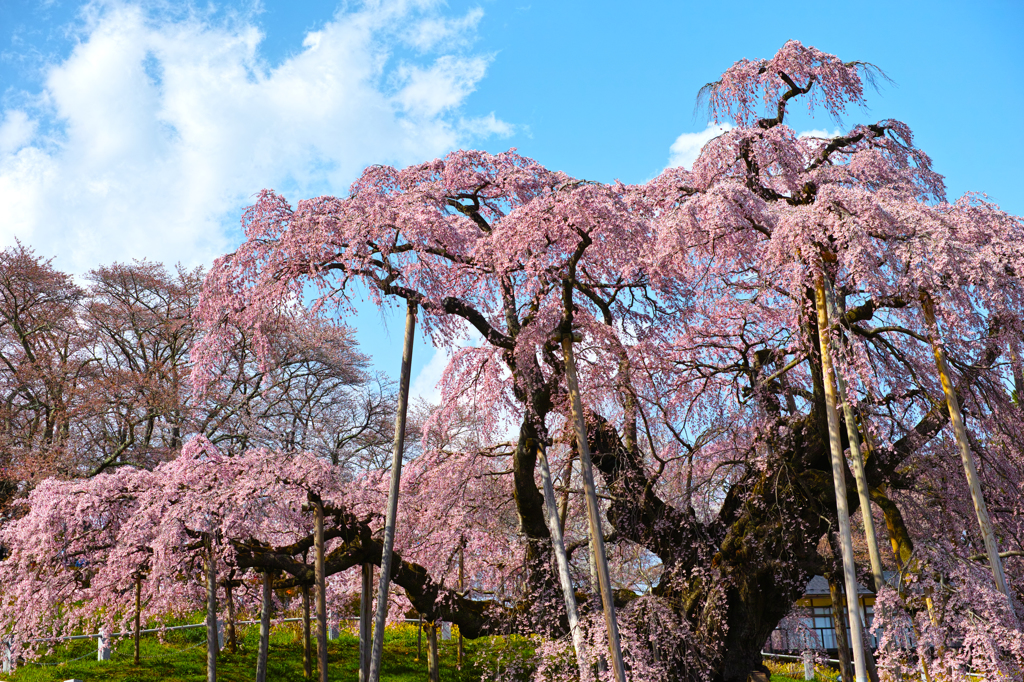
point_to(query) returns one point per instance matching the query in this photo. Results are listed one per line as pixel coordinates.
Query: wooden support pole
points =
(433, 661)
(863, 491)
(212, 647)
(264, 648)
(307, 639)
(321, 587)
(462, 591)
(561, 558)
(138, 617)
(835, 590)
(396, 478)
(593, 510)
(229, 601)
(839, 481)
(967, 457)
(365, 622)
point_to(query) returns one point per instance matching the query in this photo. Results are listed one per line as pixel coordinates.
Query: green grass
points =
(182, 658)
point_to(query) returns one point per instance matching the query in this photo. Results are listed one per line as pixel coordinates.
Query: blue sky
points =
(140, 130)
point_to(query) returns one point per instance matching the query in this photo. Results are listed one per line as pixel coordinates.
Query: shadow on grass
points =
(181, 657)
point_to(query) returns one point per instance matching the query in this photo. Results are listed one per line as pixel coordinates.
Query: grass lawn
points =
(182, 658)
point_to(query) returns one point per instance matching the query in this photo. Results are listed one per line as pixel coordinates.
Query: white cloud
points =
(16, 131)
(816, 132)
(425, 385)
(158, 131)
(429, 33)
(685, 150)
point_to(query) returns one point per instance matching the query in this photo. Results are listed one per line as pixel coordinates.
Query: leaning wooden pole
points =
(593, 510)
(320, 577)
(863, 491)
(365, 619)
(264, 646)
(462, 592)
(138, 616)
(970, 467)
(307, 643)
(211, 611)
(396, 479)
(229, 602)
(839, 481)
(561, 558)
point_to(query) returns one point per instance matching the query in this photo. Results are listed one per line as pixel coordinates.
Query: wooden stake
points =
(138, 616)
(396, 478)
(863, 492)
(970, 468)
(267, 605)
(839, 481)
(593, 510)
(307, 643)
(561, 558)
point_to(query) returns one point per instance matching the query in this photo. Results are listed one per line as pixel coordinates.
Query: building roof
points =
(819, 586)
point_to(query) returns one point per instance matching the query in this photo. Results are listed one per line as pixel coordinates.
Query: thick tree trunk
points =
(264, 648)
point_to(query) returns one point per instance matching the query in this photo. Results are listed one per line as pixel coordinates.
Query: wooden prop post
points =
(462, 591)
(307, 639)
(839, 625)
(267, 605)
(561, 558)
(365, 627)
(863, 492)
(956, 419)
(138, 617)
(419, 639)
(433, 662)
(396, 479)
(593, 510)
(321, 588)
(229, 601)
(839, 481)
(211, 611)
